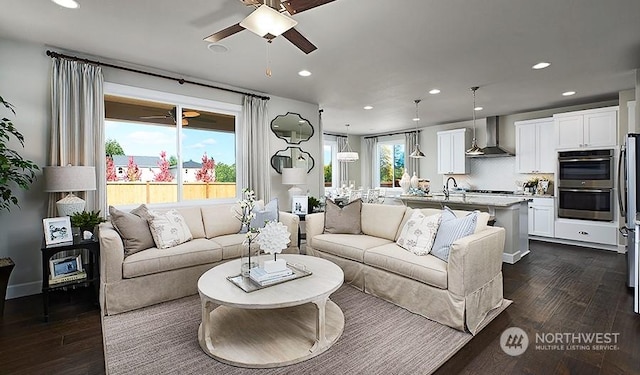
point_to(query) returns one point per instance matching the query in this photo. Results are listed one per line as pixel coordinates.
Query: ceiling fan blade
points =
(299, 41)
(299, 6)
(224, 33)
(190, 114)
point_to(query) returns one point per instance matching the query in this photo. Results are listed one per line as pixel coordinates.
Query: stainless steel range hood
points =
(493, 148)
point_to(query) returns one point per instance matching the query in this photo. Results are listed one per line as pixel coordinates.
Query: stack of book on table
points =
(263, 278)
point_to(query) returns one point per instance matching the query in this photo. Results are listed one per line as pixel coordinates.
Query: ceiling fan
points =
(172, 115)
(269, 20)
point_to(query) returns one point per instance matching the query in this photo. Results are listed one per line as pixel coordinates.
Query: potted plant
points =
(313, 204)
(86, 220)
(14, 170)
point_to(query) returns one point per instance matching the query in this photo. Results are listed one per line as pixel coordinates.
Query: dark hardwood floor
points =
(556, 288)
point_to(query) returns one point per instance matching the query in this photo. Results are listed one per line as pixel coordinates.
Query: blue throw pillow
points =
(263, 215)
(452, 229)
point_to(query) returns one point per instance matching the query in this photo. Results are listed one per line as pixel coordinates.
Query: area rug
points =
(378, 338)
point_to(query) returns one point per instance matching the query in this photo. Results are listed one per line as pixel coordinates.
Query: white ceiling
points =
(375, 52)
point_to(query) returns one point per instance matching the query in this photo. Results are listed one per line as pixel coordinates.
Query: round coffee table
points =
(276, 326)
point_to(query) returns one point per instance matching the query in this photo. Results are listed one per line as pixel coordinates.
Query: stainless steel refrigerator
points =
(629, 208)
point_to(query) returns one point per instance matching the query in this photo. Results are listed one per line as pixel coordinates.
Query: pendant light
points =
(417, 153)
(347, 155)
(474, 150)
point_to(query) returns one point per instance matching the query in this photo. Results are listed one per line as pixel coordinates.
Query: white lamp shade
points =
(69, 178)
(294, 176)
(266, 20)
(347, 156)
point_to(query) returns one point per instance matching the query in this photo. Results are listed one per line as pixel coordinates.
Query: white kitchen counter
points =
(470, 199)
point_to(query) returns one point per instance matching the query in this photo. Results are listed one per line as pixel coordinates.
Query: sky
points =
(149, 140)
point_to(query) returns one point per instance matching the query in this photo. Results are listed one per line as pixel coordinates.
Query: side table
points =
(92, 266)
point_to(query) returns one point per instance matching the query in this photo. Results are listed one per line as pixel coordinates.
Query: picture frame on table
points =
(57, 230)
(65, 266)
(299, 204)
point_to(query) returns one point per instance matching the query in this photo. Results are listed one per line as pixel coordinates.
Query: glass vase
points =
(249, 257)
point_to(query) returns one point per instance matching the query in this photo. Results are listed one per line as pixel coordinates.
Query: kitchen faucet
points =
(446, 186)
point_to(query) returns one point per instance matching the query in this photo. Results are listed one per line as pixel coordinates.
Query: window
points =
(154, 156)
(390, 161)
(330, 162)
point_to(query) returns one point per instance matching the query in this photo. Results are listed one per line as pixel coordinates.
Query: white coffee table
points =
(275, 326)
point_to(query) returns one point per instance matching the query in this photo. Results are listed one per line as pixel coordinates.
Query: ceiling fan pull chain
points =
(268, 71)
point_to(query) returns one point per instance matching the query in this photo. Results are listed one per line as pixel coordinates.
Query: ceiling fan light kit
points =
(266, 20)
(474, 150)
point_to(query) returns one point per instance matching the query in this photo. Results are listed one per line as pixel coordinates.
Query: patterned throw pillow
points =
(344, 219)
(168, 229)
(419, 233)
(451, 229)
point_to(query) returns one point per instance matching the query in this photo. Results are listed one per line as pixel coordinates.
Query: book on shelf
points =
(262, 277)
(67, 278)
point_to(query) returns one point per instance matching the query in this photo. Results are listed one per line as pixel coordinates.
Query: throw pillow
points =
(168, 229)
(344, 219)
(133, 229)
(263, 215)
(451, 229)
(419, 232)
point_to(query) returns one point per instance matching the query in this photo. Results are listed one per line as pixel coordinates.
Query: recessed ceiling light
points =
(541, 65)
(568, 93)
(478, 108)
(218, 48)
(368, 107)
(434, 91)
(71, 4)
(416, 119)
(304, 73)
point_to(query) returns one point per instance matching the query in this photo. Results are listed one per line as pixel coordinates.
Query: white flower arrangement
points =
(246, 214)
(274, 237)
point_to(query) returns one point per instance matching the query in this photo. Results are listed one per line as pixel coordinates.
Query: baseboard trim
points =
(26, 289)
(512, 258)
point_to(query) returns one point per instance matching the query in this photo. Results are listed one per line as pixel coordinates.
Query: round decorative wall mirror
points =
(292, 128)
(292, 157)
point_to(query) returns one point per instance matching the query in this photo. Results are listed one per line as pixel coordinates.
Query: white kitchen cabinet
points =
(535, 151)
(452, 145)
(542, 217)
(588, 231)
(586, 129)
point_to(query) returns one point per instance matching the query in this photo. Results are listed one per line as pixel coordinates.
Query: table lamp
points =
(69, 179)
(294, 177)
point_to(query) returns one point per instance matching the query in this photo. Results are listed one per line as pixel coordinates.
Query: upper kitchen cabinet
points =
(535, 152)
(452, 145)
(592, 128)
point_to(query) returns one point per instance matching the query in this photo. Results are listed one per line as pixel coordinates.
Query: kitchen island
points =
(510, 213)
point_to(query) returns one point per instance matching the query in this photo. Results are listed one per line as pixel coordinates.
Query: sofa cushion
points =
(348, 246)
(345, 219)
(483, 217)
(392, 258)
(382, 220)
(168, 228)
(220, 219)
(231, 244)
(193, 217)
(188, 254)
(133, 228)
(419, 232)
(451, 229)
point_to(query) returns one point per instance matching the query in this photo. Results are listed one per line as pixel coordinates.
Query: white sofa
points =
(156, 275)
(458, 293)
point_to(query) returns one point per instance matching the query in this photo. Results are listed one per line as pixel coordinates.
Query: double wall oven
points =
(586, 182)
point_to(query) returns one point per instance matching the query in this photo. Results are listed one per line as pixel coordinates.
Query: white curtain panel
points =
(77, 126)
(371, 173)
(255, 141)
(411, 164)
(343, 167)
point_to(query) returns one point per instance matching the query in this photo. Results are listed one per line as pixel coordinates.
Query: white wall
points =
(25, 81)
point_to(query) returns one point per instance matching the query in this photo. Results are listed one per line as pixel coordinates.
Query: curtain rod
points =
(390, 134)
(181, 81)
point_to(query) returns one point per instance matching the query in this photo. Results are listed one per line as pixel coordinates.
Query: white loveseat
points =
(458, 293)
(156, 275)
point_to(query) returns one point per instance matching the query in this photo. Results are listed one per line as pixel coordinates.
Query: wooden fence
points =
(121, 193)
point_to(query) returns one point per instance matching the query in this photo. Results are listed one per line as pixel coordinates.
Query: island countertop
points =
(471, 200)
